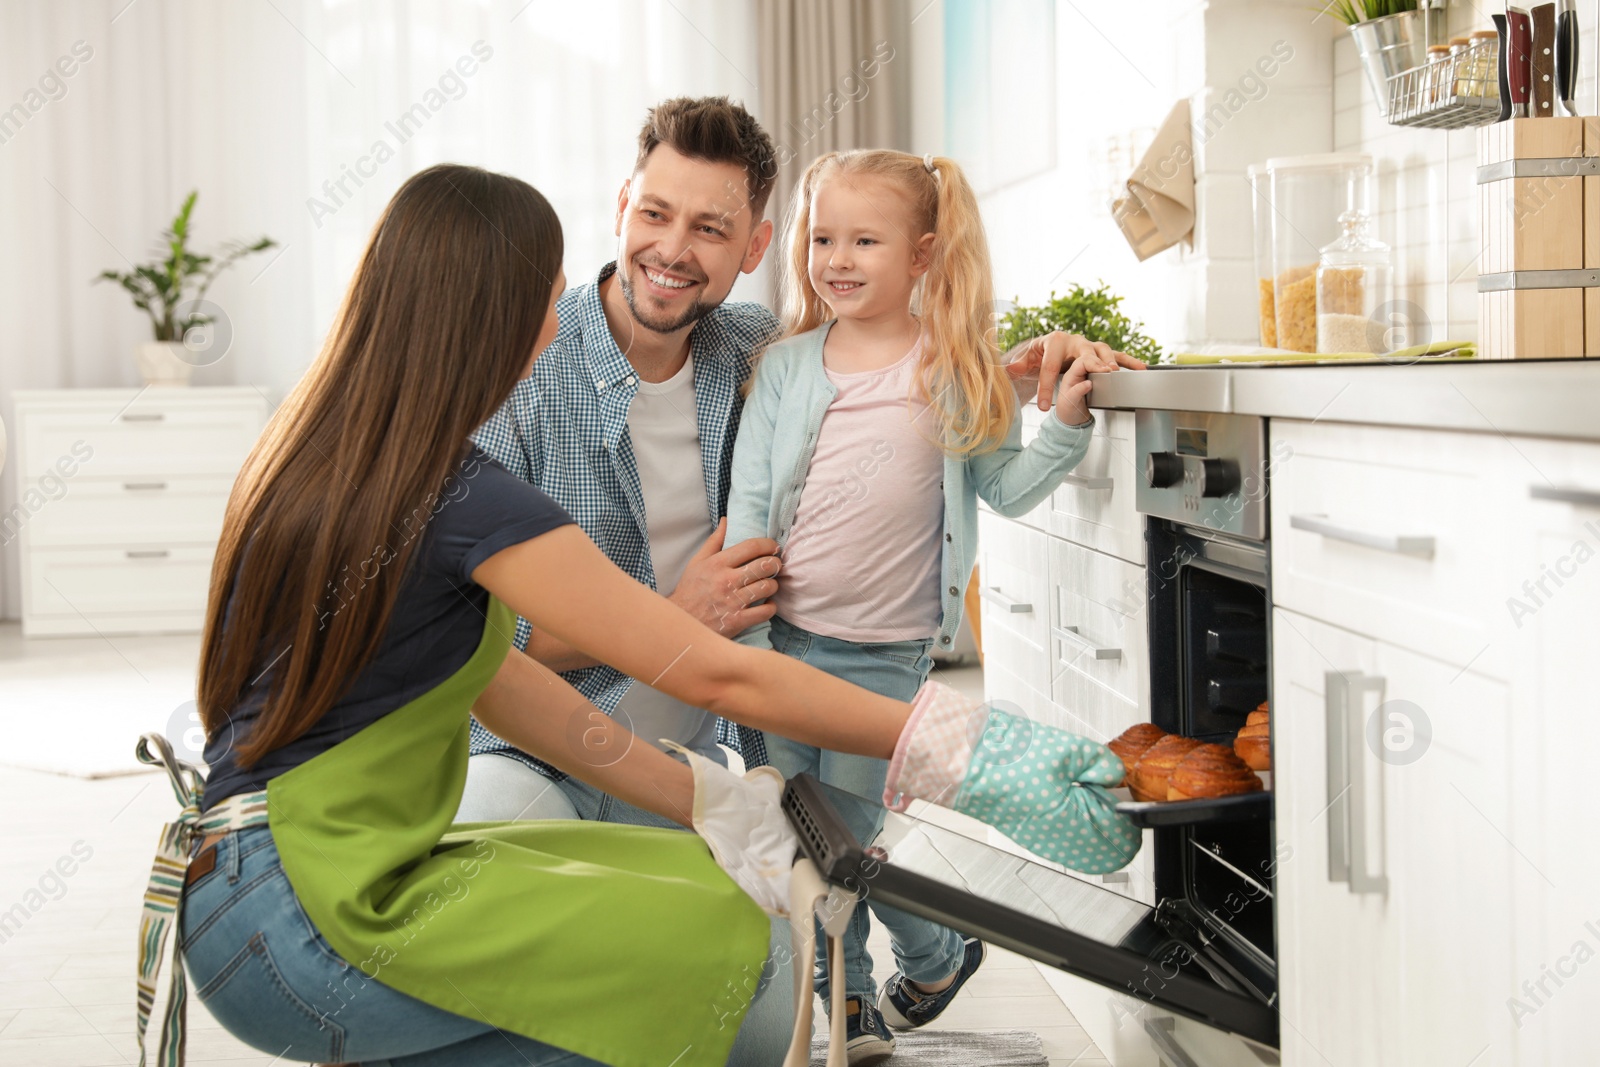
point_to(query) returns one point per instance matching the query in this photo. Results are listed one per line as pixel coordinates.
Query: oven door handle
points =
(1070, 635)
(1085, 482)
(1348, 850)
(1419, 546)
(994, 596)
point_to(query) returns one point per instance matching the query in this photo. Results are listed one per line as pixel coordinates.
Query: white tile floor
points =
(78, 853)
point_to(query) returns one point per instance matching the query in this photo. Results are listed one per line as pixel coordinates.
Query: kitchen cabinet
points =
(1393, 775)
(1013, 560)
(1094, 505)
(1551, 616)
(1399, 534)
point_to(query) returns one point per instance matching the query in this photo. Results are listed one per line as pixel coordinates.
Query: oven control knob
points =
(1218, 477)
(1163, 469)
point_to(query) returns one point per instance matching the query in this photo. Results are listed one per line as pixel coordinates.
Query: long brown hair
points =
(437, 327)
(954, 302)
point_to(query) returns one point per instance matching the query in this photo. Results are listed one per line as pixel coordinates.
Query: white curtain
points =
(298, 119)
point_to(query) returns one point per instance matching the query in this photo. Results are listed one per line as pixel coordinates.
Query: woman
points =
(363, 599)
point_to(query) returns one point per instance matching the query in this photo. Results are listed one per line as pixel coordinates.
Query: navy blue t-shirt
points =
(437, 623)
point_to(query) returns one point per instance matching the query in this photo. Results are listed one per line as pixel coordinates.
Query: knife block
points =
(1539, 227)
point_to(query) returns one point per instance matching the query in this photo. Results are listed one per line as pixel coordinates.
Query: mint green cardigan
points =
(778, 433)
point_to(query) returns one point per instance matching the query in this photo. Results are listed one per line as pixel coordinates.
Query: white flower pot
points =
(163, 363)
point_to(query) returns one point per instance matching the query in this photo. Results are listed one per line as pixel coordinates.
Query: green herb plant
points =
(1351, 12)
(158, 288)
(1094, 313)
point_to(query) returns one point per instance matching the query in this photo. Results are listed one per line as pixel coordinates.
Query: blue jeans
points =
(261, 968)
(924, 951)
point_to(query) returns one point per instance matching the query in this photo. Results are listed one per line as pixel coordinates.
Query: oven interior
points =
(1209, 636)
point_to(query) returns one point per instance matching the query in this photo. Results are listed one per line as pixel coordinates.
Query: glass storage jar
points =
(1306, 196)
(1352, 288)
(1261, 207)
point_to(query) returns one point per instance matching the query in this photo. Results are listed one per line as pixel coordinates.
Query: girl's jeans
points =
(270, 979)
(925, 951)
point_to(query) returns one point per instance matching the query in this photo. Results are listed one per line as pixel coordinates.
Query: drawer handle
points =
(1115, 878)
(1071, 636)
(1084, 482)
(1563, 494)
(145, 416)
(1421, 547)
(137, 486)
(994, 596)
(148, 553)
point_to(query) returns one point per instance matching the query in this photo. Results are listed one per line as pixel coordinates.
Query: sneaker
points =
(905, 1007)
(867, 1040)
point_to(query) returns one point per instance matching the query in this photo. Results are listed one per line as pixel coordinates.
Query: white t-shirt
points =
(666, 450)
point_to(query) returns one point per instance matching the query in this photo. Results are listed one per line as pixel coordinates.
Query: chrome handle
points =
(1084, 482)
(147, 553)
(1362, 878)
(1336, 702)
(1163, 1036)
(994, 596)
(1565, 494)
(1115, 878)
(148, 416)
(135, 486)
(1071, 636)
(1421, 547)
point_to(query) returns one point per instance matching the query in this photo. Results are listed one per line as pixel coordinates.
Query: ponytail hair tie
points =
(927, 161)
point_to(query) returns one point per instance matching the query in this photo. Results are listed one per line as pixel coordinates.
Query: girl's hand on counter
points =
(1051, 356)
(1066, 359)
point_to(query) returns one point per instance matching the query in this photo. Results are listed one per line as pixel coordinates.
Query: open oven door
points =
(1039, 912)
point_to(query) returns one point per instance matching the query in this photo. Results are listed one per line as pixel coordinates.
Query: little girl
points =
(869, 434)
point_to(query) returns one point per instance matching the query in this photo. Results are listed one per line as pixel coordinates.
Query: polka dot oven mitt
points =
(1045, 788)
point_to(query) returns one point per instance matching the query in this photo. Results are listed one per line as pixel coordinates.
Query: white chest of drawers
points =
(121, 494)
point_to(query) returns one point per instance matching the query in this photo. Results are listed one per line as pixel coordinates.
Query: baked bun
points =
(1253, 745)
(1211, 771)
(1134, 741)
(1149, 778)
(1257, 718)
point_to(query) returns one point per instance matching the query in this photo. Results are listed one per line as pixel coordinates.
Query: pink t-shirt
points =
(862, 559)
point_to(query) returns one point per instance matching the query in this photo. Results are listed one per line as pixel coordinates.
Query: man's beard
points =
(655, 323)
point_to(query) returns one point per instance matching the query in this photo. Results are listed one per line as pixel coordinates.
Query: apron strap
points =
(164, 895)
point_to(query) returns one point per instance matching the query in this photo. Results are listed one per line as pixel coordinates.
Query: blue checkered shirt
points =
(565, 429)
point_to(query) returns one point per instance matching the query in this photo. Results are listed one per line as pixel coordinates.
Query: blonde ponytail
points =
(961, 375)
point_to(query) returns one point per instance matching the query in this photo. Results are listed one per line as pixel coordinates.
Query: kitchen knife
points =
(1542, 65)
(1519, 36)
(1500, 67)
(1567, 55)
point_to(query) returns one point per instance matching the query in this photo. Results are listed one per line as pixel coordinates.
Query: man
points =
(629, 419)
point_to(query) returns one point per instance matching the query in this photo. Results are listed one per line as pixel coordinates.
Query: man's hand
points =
(1066, 358)
(725, 587)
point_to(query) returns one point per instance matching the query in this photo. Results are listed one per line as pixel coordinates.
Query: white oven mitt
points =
(742, 821)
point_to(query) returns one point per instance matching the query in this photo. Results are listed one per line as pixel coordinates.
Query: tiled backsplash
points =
(1426, 194)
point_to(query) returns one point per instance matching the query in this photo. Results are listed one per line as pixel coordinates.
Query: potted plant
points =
(1391, 36)
(172, 292)
(1094, 313)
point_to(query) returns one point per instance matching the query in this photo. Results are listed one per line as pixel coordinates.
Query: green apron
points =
(628, 945)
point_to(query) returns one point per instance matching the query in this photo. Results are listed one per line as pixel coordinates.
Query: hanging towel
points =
(1158, 210)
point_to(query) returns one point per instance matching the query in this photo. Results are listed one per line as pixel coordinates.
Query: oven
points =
(1204, 498)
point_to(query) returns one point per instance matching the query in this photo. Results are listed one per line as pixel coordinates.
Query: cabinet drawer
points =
(106, 590)
(1095, 505)
(154, 436)
(1099, 646)
(1013, 569)
(131, 511)
(1400, 535)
